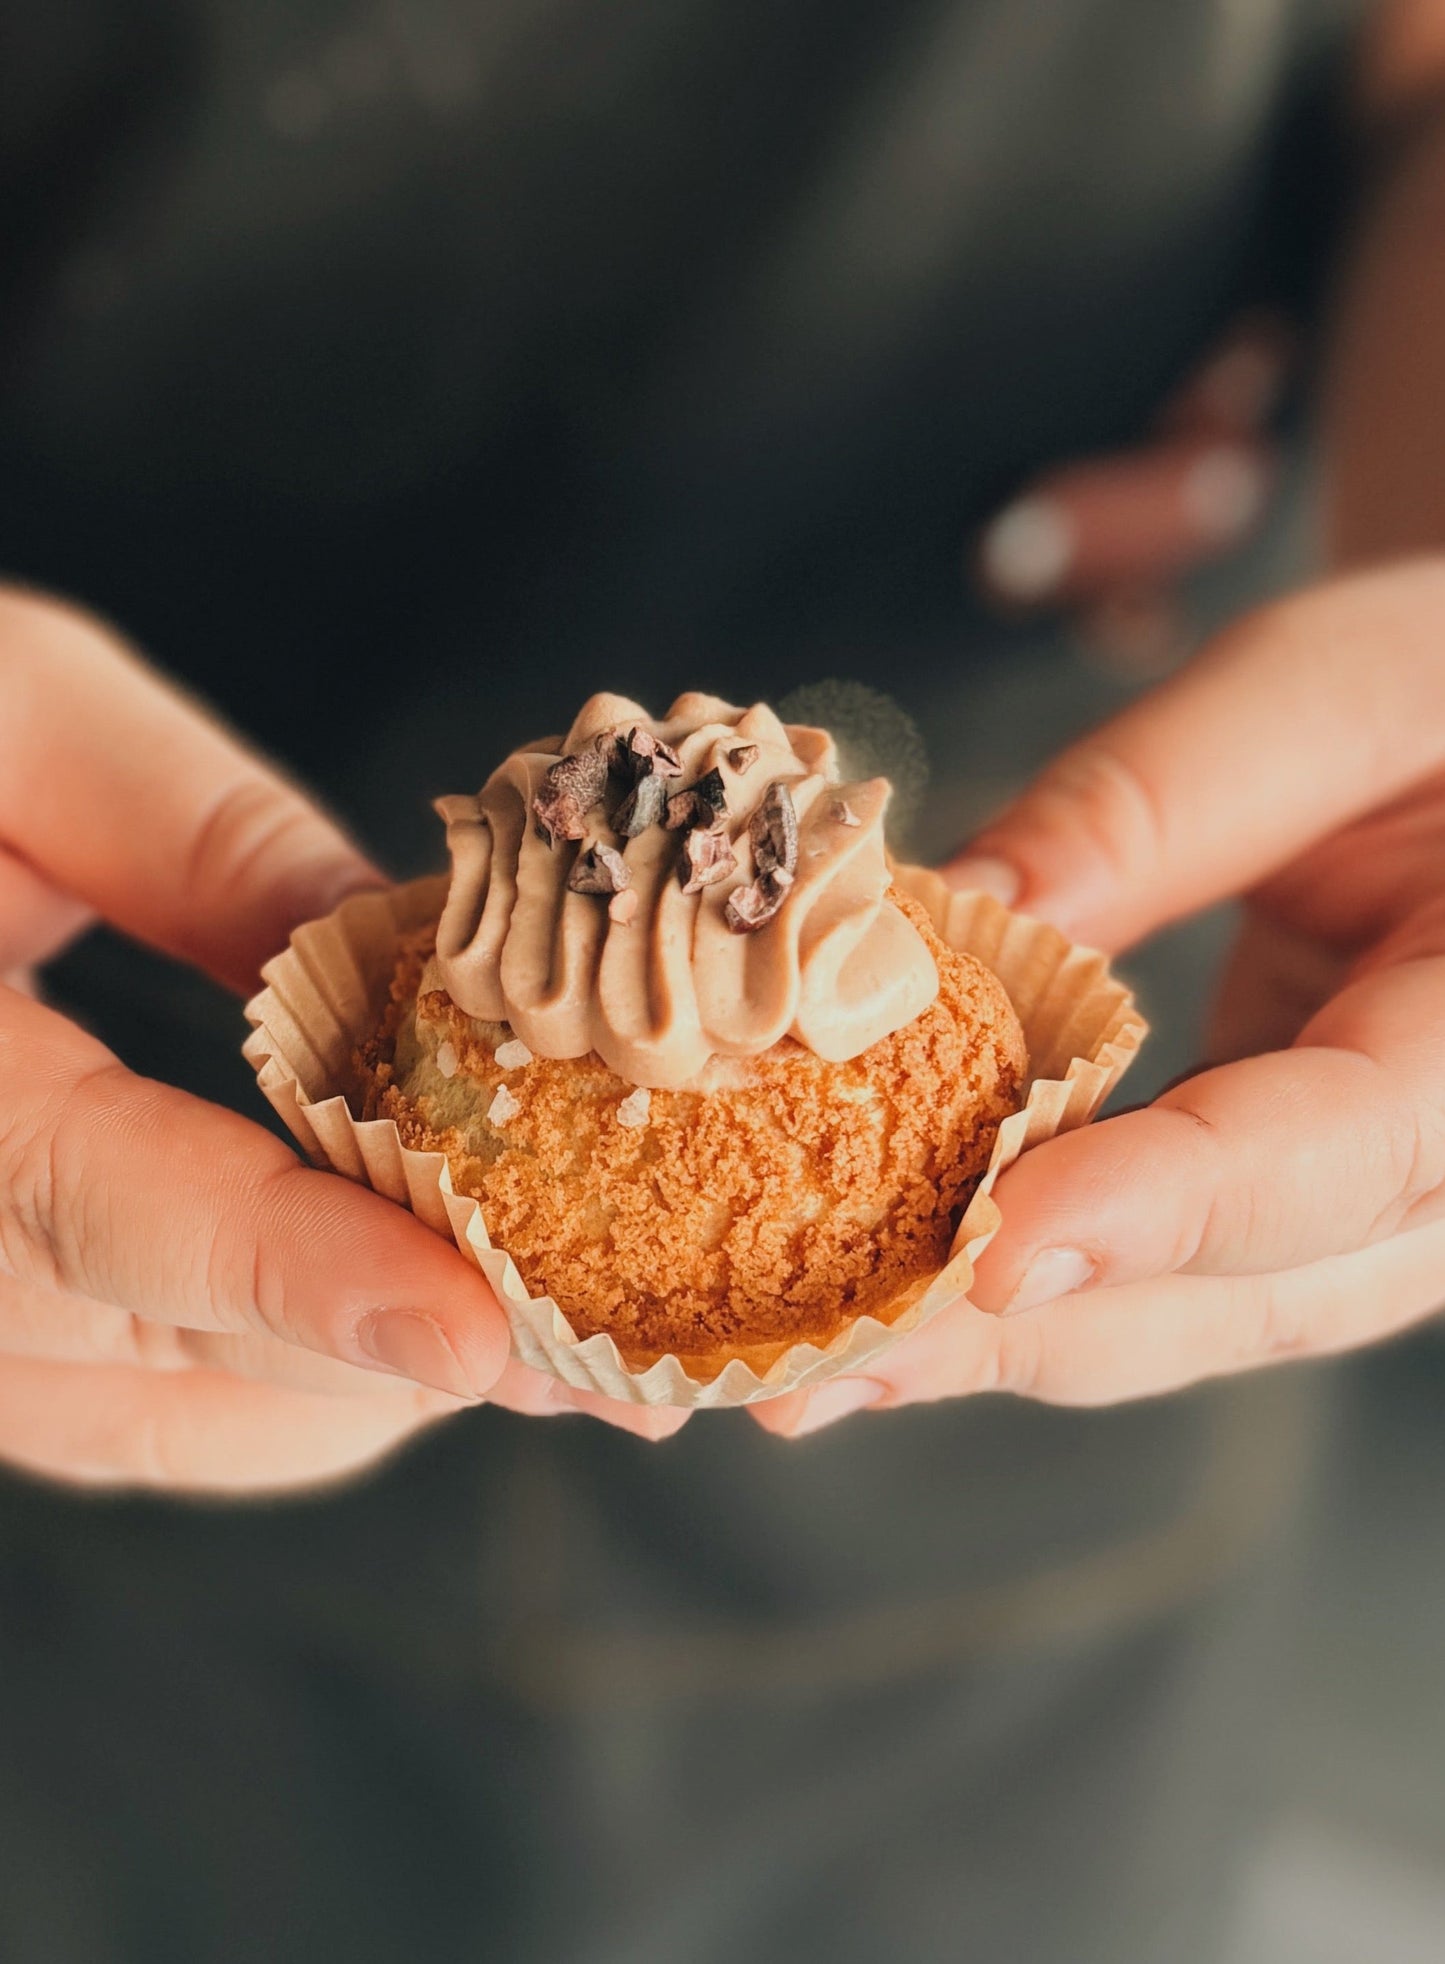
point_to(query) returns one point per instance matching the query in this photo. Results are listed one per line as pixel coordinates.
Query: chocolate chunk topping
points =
(568, 792)
(600, 869)
(773, 830)
(612, 744)
(842, 813)
(707, 857)
(643, 806)
(712, 798)
(753, 906)
(704, 803)
(648, 755)
(743, 756)
(681, 811)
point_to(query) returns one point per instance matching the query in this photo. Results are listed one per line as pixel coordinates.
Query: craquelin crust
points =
(737, 1221)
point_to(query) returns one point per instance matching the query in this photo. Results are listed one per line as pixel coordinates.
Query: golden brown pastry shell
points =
(323, 997)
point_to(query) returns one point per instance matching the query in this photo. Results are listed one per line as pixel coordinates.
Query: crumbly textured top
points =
(761, 1212)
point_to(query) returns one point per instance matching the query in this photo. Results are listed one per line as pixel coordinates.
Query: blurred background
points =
(396, 374)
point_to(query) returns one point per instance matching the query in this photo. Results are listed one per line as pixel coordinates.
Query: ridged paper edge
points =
(323, 996)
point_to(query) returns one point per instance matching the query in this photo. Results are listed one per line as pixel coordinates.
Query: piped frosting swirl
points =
(660, 988)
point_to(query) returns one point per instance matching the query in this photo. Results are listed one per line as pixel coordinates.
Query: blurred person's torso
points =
(399, 374)
(685, 341)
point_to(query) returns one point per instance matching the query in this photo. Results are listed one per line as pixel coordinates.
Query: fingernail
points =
(1025, 551)
(830, 1402)
(415, 1346)
(1052, 1273)
(985, 875)
(1224, 491)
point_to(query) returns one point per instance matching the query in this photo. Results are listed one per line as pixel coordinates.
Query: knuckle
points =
(1111, 802)
(50, 1209)
(1418, 1176)
(252, 824)
(1207, 1214)
(244, 1277)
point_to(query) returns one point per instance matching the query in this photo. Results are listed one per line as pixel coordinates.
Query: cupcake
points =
(717, 1084)
(713, 1093)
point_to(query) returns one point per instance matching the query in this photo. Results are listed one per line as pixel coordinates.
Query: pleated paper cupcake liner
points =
(324, 996)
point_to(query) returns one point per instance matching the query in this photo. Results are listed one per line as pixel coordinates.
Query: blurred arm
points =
(1384, 397)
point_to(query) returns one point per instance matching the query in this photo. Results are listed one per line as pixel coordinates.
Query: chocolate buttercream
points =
(659, 988)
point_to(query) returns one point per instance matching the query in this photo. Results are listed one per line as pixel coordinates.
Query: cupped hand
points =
(1290, 1200)
(182, 1302)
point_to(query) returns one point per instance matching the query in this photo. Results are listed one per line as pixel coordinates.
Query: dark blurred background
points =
(396, 375)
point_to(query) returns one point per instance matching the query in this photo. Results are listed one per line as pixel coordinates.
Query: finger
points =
(1274, 980)
(40, 1324)
(1238, 388)
(1295, 721)
(1155, 1337)
(123, 794)
(1142, 1340)
(136, 1194)
(58, 1329)
(654, 1422)
(1141, 517)
(521, 1389)
(201, 1432)
(1269, 1163)
(36, 919)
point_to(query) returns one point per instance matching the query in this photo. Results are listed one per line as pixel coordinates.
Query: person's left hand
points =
(1291, 1202)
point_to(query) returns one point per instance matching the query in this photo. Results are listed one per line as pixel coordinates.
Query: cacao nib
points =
(773, 830)
(650, 756)
(643, 806)
(712, 798)
(703, 804)
(707, 857)
(569, 790)
(753, 906)
(600, 869)
(681, 811)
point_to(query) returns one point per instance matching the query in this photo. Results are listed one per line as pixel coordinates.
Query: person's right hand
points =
(182, 1302)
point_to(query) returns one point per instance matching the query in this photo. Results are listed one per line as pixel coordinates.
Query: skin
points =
(184, 1305)
(1290, 1200)
(182, 1302)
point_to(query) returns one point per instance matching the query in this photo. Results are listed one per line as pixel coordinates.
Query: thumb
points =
(122, 793)
(1296, 720)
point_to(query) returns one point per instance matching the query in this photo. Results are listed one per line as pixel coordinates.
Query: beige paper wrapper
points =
(324, 995)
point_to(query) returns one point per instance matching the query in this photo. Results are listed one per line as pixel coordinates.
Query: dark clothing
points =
(520, 342)
(397, 378)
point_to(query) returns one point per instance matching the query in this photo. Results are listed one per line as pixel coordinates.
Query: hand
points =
(1109, 537)
(1291, 1202)
(182, 1302)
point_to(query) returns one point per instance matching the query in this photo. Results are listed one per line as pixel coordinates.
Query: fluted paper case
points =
(324, 995)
